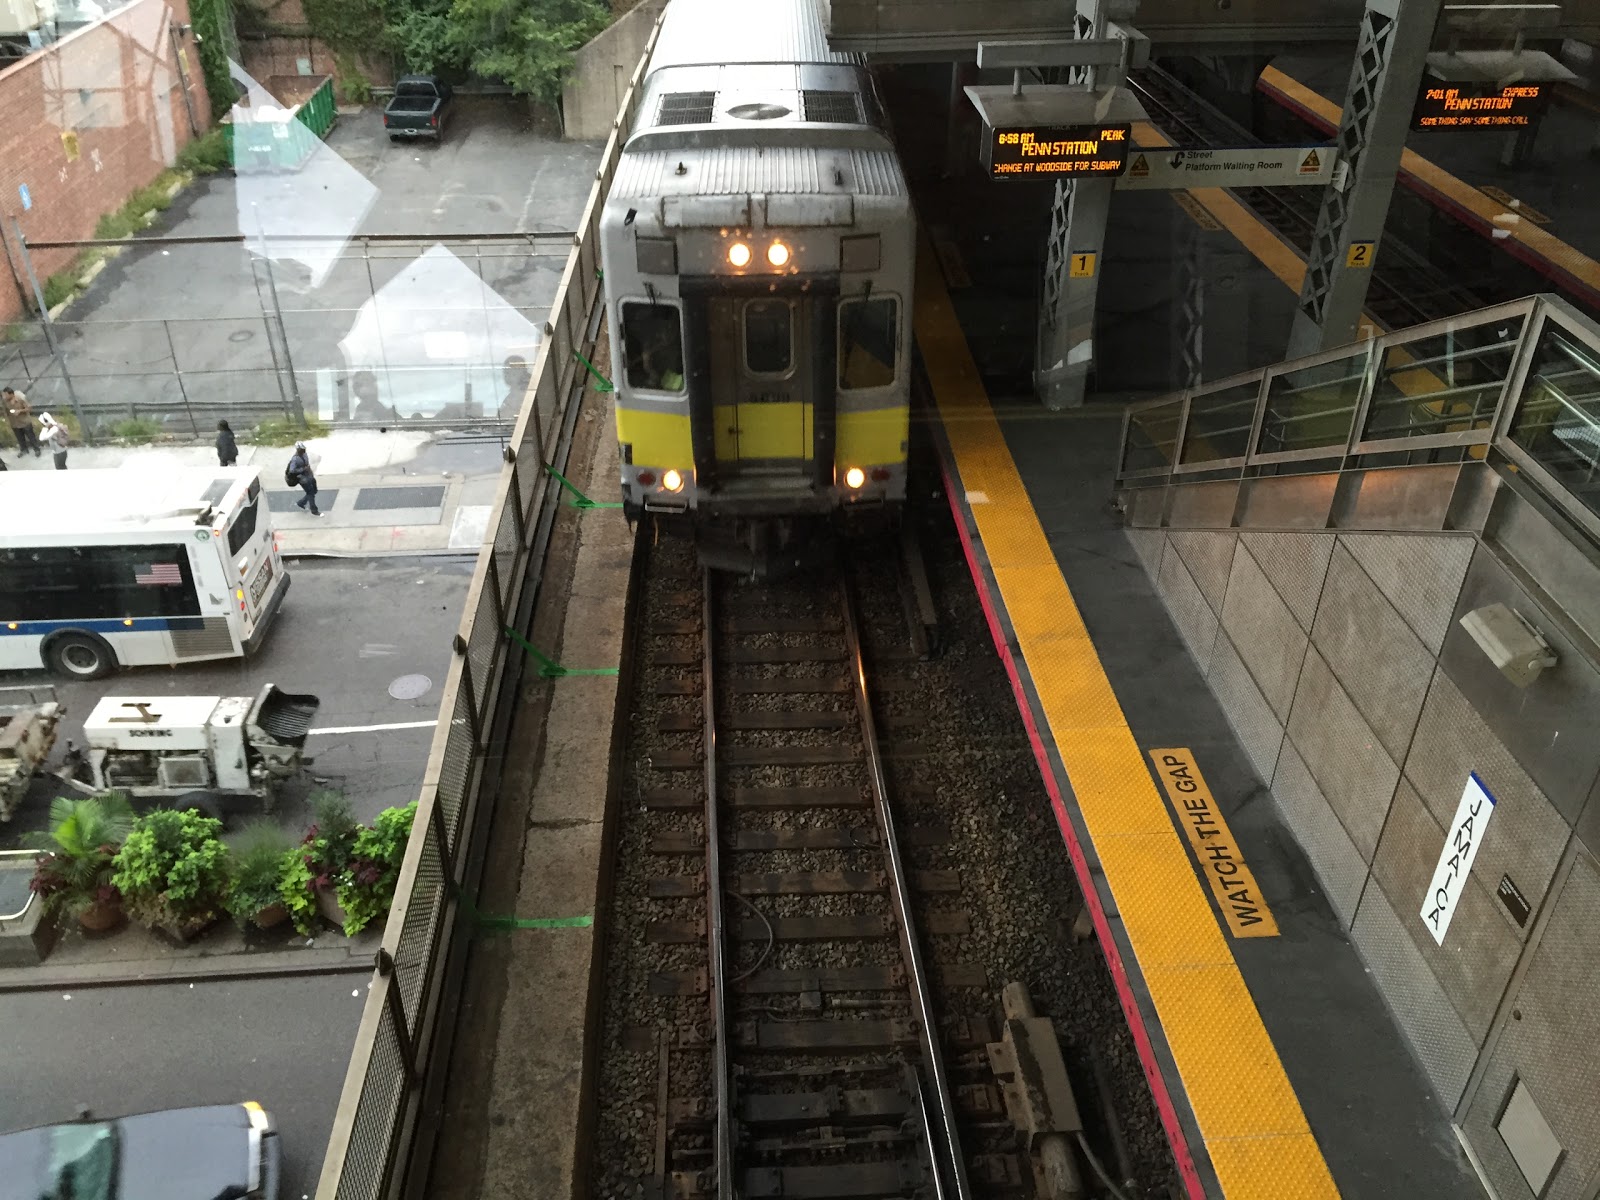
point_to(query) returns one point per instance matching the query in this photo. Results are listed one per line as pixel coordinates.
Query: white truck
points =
(199, 748)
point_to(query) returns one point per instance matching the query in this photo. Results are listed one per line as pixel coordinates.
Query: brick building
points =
(89, 121)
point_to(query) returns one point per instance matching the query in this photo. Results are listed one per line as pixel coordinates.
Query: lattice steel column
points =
(1064, 350)
(1391, 57)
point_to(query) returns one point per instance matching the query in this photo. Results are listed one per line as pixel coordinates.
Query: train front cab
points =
(764, 392)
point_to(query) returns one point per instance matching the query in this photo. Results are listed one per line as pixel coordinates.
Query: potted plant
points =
(172, 872)
(366, 887)
(74, 875)
(311, 886)
(255, 870)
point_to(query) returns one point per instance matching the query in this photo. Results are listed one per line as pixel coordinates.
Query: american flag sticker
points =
(159, 575)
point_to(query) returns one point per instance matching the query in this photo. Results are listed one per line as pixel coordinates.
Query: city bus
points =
(108, 569)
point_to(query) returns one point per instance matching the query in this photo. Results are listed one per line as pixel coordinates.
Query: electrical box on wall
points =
(1515, 647)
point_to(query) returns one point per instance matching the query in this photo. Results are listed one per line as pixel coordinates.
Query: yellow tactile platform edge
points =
(1249, 1117)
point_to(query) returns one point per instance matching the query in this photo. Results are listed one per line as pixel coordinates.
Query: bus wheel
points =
(80, 656)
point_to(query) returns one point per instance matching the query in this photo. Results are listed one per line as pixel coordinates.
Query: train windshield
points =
(652, 339)
(768, 337)
(868, 340)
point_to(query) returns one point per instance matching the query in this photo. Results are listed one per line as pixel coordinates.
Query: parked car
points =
(419, 107)
(178, 1154)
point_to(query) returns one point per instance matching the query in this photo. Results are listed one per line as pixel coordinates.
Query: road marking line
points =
(376, 728)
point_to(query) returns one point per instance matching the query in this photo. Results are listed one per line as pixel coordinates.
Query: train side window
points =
(768, 337)
(869, 335)
(652, 343)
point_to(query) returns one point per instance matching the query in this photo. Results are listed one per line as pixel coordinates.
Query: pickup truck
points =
(418, 109)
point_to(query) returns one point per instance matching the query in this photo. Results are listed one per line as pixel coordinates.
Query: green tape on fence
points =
(579, 500)
(601, 383)
(548, 667)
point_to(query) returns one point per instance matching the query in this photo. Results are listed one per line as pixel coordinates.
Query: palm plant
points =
(73, 872)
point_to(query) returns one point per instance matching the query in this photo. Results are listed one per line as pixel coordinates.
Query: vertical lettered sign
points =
(1461, 843)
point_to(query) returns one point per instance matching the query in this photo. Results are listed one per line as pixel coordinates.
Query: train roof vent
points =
(836, 108)
(686, 108)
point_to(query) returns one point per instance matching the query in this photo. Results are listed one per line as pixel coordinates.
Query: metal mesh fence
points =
(364, 1157)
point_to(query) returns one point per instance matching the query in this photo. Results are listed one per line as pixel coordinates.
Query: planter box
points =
(330, 908)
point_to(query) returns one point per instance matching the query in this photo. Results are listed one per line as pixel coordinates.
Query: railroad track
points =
(1407, 288)
(835, 878)
(827, 1076)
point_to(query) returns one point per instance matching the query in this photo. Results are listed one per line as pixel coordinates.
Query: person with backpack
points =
(55, 436)
(298, 474)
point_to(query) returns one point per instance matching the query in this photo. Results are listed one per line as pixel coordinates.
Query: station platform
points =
(1538, 212)
(1277, 1068)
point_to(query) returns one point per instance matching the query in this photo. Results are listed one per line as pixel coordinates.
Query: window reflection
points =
(1558, 418)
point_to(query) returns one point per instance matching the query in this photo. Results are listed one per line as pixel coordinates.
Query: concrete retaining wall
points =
(600, 73)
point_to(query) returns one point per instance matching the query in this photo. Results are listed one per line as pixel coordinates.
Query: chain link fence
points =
(380, 1130)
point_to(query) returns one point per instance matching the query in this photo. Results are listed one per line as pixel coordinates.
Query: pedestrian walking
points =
(57, 438)
(299, 474)
(227, 448)
(19, 415)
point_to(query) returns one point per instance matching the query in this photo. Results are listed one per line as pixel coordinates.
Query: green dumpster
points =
(280, 136)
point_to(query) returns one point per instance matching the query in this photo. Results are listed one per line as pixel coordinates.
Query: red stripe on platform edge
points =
(1080, 866)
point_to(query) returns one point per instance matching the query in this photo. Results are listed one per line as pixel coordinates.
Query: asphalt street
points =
(281, 1042)
(347, 631)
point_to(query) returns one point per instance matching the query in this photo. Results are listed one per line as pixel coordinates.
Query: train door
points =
(761, 385)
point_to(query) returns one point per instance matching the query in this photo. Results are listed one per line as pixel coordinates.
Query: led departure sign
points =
(1479, 106)
(1056, 152)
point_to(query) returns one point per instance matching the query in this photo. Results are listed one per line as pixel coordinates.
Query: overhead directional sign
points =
(1253, 166)
(1479, 105)
(1060, 151)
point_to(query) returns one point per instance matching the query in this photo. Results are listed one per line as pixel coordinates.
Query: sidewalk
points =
(392, 493)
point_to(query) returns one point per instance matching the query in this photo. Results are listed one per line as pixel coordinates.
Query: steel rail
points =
(922, 1007)
(715, 938)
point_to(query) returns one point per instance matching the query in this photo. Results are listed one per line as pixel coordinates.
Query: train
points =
(757, 249)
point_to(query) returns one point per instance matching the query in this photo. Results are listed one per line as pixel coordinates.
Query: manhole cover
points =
(409, 687)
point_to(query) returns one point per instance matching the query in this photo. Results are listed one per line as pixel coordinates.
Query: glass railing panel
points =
(1152, 440)
(1449, 383)
(1220, 422)
(1312, 407)
(1557, 420)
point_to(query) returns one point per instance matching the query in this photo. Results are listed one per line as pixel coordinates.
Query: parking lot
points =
(180, 333)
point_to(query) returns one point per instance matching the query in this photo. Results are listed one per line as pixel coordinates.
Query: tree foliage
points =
(526, 43)
(213, 22)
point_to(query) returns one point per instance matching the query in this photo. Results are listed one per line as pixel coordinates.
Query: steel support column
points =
(1391, 58)
(1064, 350)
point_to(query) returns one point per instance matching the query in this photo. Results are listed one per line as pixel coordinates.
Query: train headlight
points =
(854, 478)
(672, 481)
(739, 254)
(777, 254)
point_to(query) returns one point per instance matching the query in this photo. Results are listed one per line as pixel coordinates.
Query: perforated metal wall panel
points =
(1343, 755)
(1526, 838)
(1246, 708)
(1550, 1038)
(1296, 563)
(203, 637)
(1264, 632)
(1420, 575)
(1441, 1043)
(1209, 557)
(1479, 952)
(1316, 827)
(1188, 608)
(1149, 545)
(1382, 666)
